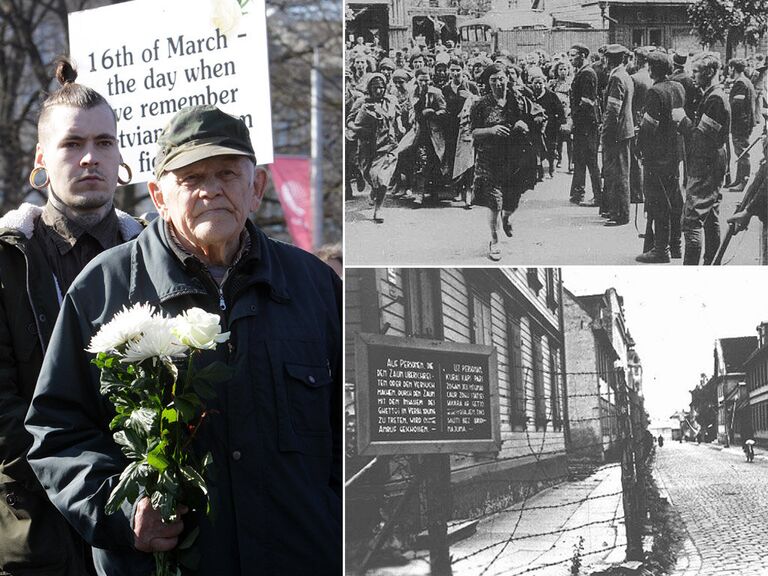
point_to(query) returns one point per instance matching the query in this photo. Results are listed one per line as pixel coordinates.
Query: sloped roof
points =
(736, 351)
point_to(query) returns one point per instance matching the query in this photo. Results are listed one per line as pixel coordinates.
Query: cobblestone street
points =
(723, 501)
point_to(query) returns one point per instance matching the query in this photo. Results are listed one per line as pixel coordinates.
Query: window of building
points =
(538, 382)
(554, 379)
(534, 282)
(517, 381)
(551, 289)
(422, 291)
(481, 318)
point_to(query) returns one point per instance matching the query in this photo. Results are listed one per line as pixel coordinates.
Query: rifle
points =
(756, 186)
(746, 150)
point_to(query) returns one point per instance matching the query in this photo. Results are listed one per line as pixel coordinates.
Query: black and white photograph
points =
(578, 421)
(555, 132)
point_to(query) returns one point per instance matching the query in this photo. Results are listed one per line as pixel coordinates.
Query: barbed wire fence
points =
(538, 451)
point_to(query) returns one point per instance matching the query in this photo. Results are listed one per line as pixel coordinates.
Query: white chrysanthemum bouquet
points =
(159, 410)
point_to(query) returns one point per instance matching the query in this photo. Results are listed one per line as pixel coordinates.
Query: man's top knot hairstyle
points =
(70, 93)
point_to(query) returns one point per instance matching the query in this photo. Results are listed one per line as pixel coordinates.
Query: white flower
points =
(157, 340)
(125, 326)
(197, 328)
(226, 15)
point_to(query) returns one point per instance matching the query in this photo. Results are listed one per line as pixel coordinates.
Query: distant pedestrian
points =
(749, 449)
(661, 441)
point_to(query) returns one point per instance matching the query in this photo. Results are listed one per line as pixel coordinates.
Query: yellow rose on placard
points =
(197, 328)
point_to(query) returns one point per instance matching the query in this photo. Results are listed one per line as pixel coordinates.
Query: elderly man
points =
(274, 428)
(41, 251)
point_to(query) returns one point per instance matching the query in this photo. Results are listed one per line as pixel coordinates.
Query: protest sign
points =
(151, 58)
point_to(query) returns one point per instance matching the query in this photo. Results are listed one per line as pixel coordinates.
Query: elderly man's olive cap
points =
(200, 132)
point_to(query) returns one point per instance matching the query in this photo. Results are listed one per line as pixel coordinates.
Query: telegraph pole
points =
(317, 151)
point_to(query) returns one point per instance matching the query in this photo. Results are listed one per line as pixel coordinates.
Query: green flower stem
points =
(177, 450)
(162, 564)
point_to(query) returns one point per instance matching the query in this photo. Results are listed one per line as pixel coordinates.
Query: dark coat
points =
(658, 140)
(553, 108)
(584, 101)
(33, 535)
(275, 430)
(618, 124)
(433, 125)
(641, 80)
(692, 92)
(705, 147)
(742, 100)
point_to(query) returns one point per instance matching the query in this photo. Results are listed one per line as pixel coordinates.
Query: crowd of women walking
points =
(479, 129)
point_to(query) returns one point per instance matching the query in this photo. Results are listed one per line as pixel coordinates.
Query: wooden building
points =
(516, 312)
(756, 371)
(729, 381)
(394, 23)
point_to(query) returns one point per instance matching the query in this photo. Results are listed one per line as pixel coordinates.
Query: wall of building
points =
(583, 383)
(757, 387)
(532, 453)
(575, 11)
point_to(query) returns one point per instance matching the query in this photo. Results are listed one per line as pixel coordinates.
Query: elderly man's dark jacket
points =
(34, 537)
(274, 429)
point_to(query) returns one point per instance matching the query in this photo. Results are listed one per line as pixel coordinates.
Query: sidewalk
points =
(545, 530)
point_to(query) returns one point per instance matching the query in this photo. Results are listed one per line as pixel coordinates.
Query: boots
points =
(653, 256)
(659, 253)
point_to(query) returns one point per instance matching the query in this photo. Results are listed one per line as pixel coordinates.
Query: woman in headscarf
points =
(374, 119)
(504, 124)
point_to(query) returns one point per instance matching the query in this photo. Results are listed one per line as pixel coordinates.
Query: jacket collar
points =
(23, 219)
(157, 275)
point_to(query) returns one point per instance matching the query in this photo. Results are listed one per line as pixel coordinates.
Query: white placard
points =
(151, 58)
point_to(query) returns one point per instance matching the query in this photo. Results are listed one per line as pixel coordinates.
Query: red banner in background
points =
(291, 175)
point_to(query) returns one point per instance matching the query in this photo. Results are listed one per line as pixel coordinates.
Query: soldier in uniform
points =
(692, 98)
(657, 142)
(757, 204)
(617, 130)
(692, 92)
(641, 81)
(742, 100)
(705, 140)
(584, 113)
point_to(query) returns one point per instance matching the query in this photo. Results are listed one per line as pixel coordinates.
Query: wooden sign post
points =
(429, 397)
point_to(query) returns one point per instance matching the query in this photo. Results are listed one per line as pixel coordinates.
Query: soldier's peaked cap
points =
(580, 48)
(615, 49)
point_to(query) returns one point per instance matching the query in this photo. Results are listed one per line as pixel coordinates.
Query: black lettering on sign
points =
(419, 394)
